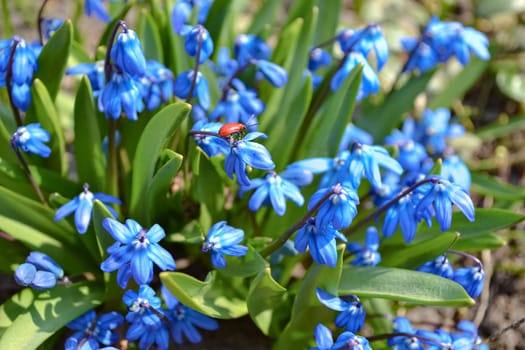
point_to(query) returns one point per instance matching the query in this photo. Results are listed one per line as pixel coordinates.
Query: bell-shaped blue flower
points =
(318, 58)
(93, 330)
(471, 278)
(182, 11)
(135, 251)
(122, 92)
(353, 314)
(127, 53)
(440, 266)
(27, 275)
(354, 134)
(185, 321)
(339, 209)
(223, 240)
(345, 341)
(403, 214)
(51, 25)
(422, 56)
(403, 325)
(320, 241)
(82, 205)
(31, 139)
(369, 80)
(93, 71)
(211, 145)
(183, 84)
(366, 254)
(192, 36)
(249, 47)
(43, 262)
(95, 7)
(365, 40)
(157, 84)
(238, 107)
(275, 74)
(454, 170)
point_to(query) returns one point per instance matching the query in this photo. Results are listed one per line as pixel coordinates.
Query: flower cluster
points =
(31, 138)
(39, 272)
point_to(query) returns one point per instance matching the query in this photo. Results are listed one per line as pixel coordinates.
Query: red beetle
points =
(230, 129)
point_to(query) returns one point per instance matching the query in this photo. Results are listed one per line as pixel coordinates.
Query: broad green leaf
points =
(90, 160)
(266, 16)
(222, 21)
(148, 31)
(7, 25)
(490, 186)
(402, 285)
(43, 110)
(104, 239)
(13, 254)
(379, 120)
(268, 304)
(160, 186)
(329, 11)
(479, 242)
(244, 266)
(52, 60)
(158, 131)
(30, 317)
(416, 254)
(501, 128)
(459, 85)
(214, 297)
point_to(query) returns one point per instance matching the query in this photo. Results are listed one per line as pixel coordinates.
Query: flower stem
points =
(466, 255)
(387, 205)
(235, 74)
(8, 77)
(279, 242)
(40, 20)
(197, 63)
(442, 345)
(28, 173)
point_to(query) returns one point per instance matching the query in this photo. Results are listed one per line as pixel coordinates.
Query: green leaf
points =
(244, 266)
(13, 254)
(479, 242)
(299, 9)
(268, 304)
(416, 254)
(90, 160)
(104, 39)
(490, 186)
(52, 60)
(159, 130)
(104, 239)
(30, 317)
(148, 31)
(402, 285)
(266, 16)
(214, 297)
(160, 186)
(329, 11)
(380, 119)
(43, 110)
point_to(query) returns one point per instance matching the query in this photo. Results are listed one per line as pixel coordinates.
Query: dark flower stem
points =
(8, 77)
(40, 20)
(279, 242)
(112, 168)
(387, 205)
(325, 43)
(409, 335)
(197, 63)
(466, 255)
(235, 74)
(28, 173)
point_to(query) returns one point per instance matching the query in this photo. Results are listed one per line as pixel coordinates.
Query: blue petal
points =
(24, 274)
(118, 231)
(142, 267)
(43, 280)
(67, 209)
(83, 215)
(330, 301)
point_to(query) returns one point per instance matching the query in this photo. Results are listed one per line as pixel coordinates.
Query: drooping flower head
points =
(223, 240)
(127, 53)
(31, 139)
(156, 84)
(345, 341)
(339, 209)
(366, 254)
(93, 71)
(121, 94)
(135, 251)
(352, 316)
(82, 205)
(192, 36)
(439, 266)
(184, 83)
(39, 272)
(96, 8)
(92, 330)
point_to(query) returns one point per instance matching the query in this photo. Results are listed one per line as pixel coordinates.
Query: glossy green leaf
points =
(213, 297)
(402, 285)
(13, 254)
(90, 159)
(43, 110)
(52, 60)
(416, 254)
(158, 131)
(380, 119)
(244, 266)
(268, 304)
(459, 85)
(266, 16)
(479, 242)
(148, 31)
(490, 186)
(30, 317)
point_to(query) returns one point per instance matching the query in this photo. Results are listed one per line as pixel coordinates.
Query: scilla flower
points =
(193, 35)
(339, 209)
(345, 341)
(184, 82)
(122, 92)
(135, 251)
(92, 330)
(39, 272)
(223, 240)
(471, 278)
(366, 254)
(439, 266)
(95, 7)
(82, 205)
(31, 139)
(352, 315)
(127, 53)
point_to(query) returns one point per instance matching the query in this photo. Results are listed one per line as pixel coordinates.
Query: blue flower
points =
(245, 153)
(82, 205)
(411, 153)
(441, 195)
(182, 10)
(275, 74)
(274, 190)
(332, 167)
(95, 7)
(191, 42)
(402, 325)
(94, 72)
(127, 53)
(339, 209)
(471, 278)
(422, 56)
(439, 266)
(40, 272)
(365, 40)
(122, 92)
(468, 335)
(352, 315)
(157, 84)
(183, 84)
(223, 240)
(135, 251)
(354, 134)
(320, 241)
(51, 25)
(185, 321)
(369, 80)
(367, 254)
(366, 160)
(30, 139)
(239, 106)
(208, 143)
(249, 47)
(23, 68)
(454, 170)
(402, 213)
(91, 331)
(318, 58)
(345, 341)
(436, 129)
(146, 326)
